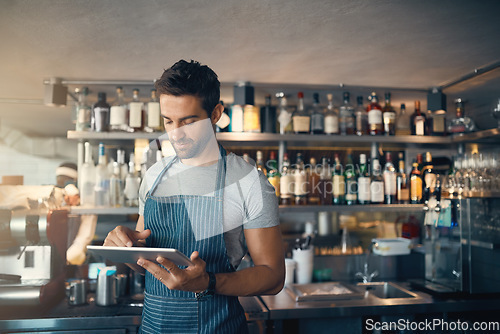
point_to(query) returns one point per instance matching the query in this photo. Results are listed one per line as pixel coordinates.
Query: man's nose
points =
(176, 133)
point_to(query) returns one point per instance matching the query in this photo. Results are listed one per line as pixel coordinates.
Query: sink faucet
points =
(366, 276)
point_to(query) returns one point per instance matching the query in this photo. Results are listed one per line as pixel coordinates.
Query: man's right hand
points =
(123, 236)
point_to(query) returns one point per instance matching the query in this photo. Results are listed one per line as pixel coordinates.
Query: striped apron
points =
(189, 223)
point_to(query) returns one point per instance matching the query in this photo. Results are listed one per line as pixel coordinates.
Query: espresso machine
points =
(33, 246)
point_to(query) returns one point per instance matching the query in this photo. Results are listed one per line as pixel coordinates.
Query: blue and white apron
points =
(183, 222)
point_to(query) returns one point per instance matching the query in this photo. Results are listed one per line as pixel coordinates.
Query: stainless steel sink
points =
(387, 290)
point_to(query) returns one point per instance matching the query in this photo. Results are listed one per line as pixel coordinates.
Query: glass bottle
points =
(120, 161)
(136, 113)
(131, 187)
(118, 113)
(416, 184)
(100, 114)
(403, 191)
(325, 182)
(437, 124)
(390, 180)
(375, 122)
(418, 121)
(154, 119)
(351, 182)
(389, 116)
(429, 174)
(116, 198)
(377, 184)
(86, 183)
(301, 189)
(361, 117)
(338, 182)
(284, 115)
(331, 117)
(83, 111)
(251, 118)
(236, 116)
(403, 122)
(268, 118)
(273, 175)
(317, 117)
(313, 174)
(461, 123)
(286, 182)
(301, 119)
(364, 181)
(102, 179)
(259, 163)
(346, 120)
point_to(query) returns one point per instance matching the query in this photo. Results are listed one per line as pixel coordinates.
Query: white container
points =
(290, 265)
(394, 246)
(305, 263)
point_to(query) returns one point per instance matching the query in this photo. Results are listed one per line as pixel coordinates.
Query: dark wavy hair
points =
(191, 78)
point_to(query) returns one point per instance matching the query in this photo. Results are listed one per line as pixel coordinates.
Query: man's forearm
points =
(258, 280)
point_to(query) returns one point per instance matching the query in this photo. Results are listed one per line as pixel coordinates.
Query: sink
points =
(387, 290)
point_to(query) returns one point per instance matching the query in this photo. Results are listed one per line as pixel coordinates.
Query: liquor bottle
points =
(268, 118)
(346, 118)
(429, 174)
(100, 114)
(131, 187)
(437, 123)
(418, 121)
(361, 117)
(461, 123)
(273, 175)
(236, 115)
(403, 122)
(377, 184)
(390, 180)
(389, 116)
(259, 163)
(331, 117)
(364, 181)
(284, 115)
(102, 179)
(136, 113)
(118, 113)
(116, 198)
(301, 119)
(154, 119)
(313, 173)
(120, 161)
(375, 122)
(325, 182)
(317, 117)
(420, 161)
(403, 191)
(351, 182)
(301, 188)
(338, 182)
(86, 181)
(222, 124)
(415, 184)
(83, 111)
(251, 118)
(287, 182)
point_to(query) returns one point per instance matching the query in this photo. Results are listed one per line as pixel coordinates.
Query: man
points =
(208, 204)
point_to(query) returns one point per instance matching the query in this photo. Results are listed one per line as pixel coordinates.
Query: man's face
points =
(186, 123)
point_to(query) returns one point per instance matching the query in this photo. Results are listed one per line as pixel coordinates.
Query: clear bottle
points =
(287, 182)
(346, 119)
(87, 178)
(364, 181)
(325, 182)
(338, 182)
(418, 122)
(416, 184)
(403, 190)
(301, 119)
(301, 188)
(251, 118)
(273, 175)
(102, 179)
(390, 180)
(314, 178)
(100, 114)
(351, 182)
(268, 118)
(317, 117)
(136, 113)
(375, 121)
(154, 119)
(331, 118)
(120, 161)
(118, 114)
(260, 163)
(236, 116)
(377, 184)
(131, 188)
(403, 122)
(83, 111)
(461, 123)
(361, 117)
(429, 173)
(116, 198)
(389, 116)
(284, 115)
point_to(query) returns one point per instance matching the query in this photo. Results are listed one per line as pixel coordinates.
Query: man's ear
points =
(216, 113)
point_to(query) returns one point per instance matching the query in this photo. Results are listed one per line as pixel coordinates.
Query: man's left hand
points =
(194, 278)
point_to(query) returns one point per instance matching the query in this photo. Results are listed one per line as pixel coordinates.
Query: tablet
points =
(132, 254)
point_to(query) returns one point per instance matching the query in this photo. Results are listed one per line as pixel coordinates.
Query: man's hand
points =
(194, 278)
(123, 236)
